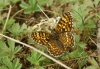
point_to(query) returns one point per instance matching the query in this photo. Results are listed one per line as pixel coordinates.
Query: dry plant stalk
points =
(98, 40)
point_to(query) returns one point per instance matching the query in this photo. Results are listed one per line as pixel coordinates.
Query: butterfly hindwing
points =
(58, 46)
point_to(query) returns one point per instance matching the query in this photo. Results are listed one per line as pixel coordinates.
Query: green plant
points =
(94, 64)
(36, 59)
(9, 23)
(16, 30)
(11, 65)
(4, 3)
(31, 6)
(8, 50)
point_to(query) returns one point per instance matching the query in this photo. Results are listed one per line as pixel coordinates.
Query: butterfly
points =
(60, 38)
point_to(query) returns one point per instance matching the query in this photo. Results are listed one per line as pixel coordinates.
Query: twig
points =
(43, 11)
(17, 12)
(17, 41)
(98, 41)
(7, 19)
(92, 41)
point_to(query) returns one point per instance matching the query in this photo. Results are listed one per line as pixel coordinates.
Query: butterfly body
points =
(60, 38)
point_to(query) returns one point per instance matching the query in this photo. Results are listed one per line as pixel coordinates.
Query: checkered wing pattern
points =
(65, 23)
(57, 46)
(41, 37)
(59, 39)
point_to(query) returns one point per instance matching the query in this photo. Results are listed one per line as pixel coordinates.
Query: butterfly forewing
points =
(64, 24)
(41, 37)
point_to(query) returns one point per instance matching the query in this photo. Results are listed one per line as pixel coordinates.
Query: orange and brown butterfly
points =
(60, 38)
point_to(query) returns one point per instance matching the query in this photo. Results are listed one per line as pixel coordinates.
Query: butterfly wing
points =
(50, 42)
(41, 37)
(58, 46)
(54, 48)
(65, 23)
(67, 39)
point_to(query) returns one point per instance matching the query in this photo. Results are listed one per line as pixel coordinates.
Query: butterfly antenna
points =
(43, 11)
